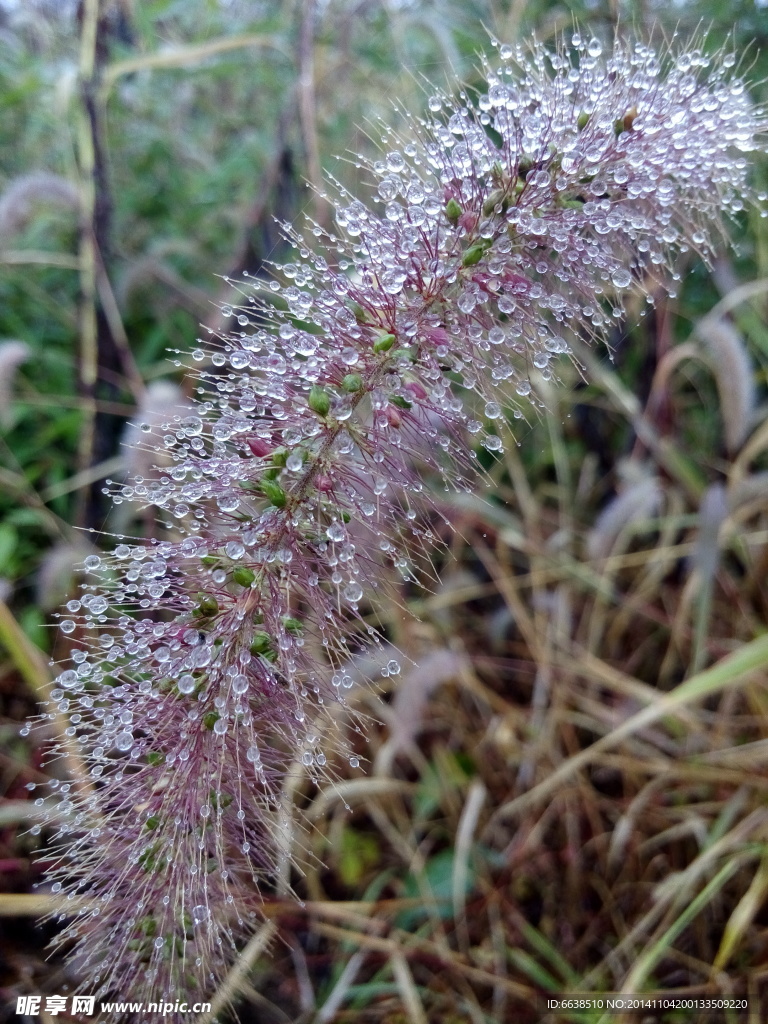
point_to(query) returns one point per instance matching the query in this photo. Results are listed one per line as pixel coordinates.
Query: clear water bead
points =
(335, 532)
(395, 161)
(239, 683)
(200, 913)
(124, 741)
(186, 683)
(353, 592)
(493, 443)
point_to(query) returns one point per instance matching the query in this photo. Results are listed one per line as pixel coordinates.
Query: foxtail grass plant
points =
(209, 659)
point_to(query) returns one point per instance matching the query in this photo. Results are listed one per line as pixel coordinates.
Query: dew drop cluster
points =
(208, 663)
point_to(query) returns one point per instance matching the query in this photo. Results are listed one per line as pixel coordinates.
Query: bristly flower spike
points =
(208, 663)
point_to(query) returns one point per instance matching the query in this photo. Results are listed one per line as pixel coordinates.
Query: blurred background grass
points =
(569, 791)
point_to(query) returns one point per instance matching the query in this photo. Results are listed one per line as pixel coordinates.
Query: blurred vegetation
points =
(536, 819)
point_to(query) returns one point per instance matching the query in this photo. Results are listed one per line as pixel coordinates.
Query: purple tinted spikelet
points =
(204, 662)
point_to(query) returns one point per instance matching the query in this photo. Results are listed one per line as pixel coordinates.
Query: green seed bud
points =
(497, 197)
(570, 204)
(210, 719)
(152, 823)
(209, 561)
(384, 343)
(243, 575)
(319, 400)
(404, 353)
(279, 457)
(452, 211)
(473, 255)
(352, 382)
(400, 402)
(293, 626)
(582, 121)
(155, 757)
(262, 643)
(274, 493)
(148, 857)
(148, 926)
(345, 517)
(497, 172)
(222, 800)
(208, 606)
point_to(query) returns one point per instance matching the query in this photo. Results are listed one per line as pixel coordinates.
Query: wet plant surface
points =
(418, 671)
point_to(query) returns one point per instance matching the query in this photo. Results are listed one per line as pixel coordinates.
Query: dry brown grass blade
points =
(588, 665)
(229, 989)
(651, 956)
(666, 453)
(731, 365)
(403, 943)
(355, 791)
(733, 669)
(338, 993)
(465, 836)
(40, 257)
(37, 904)
(33, 667)
(742, 917)
(407, 988)
(28, 659)
(185, 56)
(14, 812)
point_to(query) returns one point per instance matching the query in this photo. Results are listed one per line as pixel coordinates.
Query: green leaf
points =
(243, 575)
(436, 880)
(9, 540)
(473, 255)
(319, 400)
(274, 493)
(384, 343)
(452, 211)
(359, 852)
